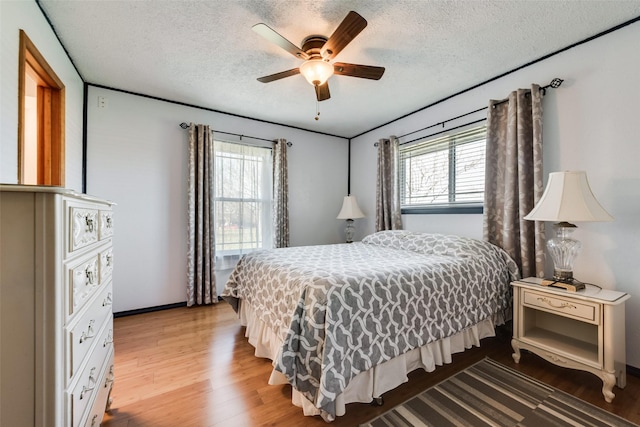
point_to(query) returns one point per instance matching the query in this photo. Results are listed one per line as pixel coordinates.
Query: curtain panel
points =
(280, 194)
(388, 216)
(513, 178)
(201, 287)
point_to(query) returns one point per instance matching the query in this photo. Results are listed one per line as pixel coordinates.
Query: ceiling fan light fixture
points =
(316, 71)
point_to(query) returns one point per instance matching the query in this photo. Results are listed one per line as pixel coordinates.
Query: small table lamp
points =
(567, 199)
(350, 211)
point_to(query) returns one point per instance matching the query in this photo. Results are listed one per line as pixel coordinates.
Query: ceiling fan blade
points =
(280, 75)
(355, 70)
(271, 35)
(322, 92)
(348, 29)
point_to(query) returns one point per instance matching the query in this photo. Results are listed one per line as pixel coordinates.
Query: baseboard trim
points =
(149, 309)
(152, 309)
(632, 370)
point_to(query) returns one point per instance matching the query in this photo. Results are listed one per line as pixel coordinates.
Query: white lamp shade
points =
(568, 198)
(316, 71)
(350, 209)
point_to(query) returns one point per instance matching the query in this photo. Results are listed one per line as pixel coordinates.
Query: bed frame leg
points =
(377, 401)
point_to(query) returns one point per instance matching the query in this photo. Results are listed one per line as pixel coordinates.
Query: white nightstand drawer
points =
(567, 307)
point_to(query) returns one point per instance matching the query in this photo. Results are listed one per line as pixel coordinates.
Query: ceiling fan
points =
(318, 51)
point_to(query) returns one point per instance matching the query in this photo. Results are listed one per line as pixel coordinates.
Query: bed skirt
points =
(370, 384)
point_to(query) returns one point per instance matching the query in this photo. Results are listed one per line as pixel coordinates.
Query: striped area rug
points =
(491, 394)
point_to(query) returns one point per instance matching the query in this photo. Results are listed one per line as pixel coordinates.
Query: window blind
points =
(443, 172)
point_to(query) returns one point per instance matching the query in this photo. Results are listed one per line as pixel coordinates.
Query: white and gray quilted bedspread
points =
(343, 309)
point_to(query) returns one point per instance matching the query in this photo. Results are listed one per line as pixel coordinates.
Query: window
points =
(243, 200)
(40, 119)
(444, 174)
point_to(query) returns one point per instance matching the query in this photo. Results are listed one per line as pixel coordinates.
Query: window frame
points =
(440, 208)
(266, 202)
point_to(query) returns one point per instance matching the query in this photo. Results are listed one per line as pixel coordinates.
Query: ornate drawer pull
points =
(92, 382)
(90, 276)
(85, 390)
(89, 334)
(93, 420)
(108, 339)
(562, 305)
(109, 222)
(109, 259)
(89, 222)
(107, 301)
(109, 378)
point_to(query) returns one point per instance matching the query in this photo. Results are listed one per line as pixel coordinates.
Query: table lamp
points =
(350, 211)
(566, 199)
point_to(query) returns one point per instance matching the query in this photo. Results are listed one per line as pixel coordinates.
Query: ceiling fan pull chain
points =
(318, 110)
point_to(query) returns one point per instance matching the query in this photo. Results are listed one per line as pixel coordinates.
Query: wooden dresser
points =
(56, 321)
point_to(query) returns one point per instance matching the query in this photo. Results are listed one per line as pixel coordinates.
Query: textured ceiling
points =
(204, 53)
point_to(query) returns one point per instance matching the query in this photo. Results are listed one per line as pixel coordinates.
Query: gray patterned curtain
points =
(388, 215)
(201, 287)
(513, 183)
(280, 194)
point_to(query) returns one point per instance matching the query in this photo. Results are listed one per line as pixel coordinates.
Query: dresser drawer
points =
(106, 264)
(99, 405)
(566, 307)
(84, 227)
(82, 281)
(83, 334)
(105, 224)
(89, 381)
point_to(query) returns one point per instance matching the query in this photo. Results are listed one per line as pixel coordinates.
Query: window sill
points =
(429, 210)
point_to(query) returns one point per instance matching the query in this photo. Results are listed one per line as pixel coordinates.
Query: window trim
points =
(442, 209)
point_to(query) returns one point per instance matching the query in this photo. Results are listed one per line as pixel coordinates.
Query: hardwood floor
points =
(194, 367)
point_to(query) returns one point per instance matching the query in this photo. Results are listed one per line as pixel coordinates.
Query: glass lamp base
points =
(563, 276)
(563, 250)
(349, 230)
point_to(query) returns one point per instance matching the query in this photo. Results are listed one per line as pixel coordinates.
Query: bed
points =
(345, 323)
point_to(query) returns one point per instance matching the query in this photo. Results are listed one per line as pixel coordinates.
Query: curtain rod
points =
(442, 131)
(555, 83)
(184, 125)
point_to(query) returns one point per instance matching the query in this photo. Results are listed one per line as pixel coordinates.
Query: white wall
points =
(590, 123)
(137, 157)
(25, 15)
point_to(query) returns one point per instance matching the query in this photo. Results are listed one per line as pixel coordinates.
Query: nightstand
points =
(578, 330)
